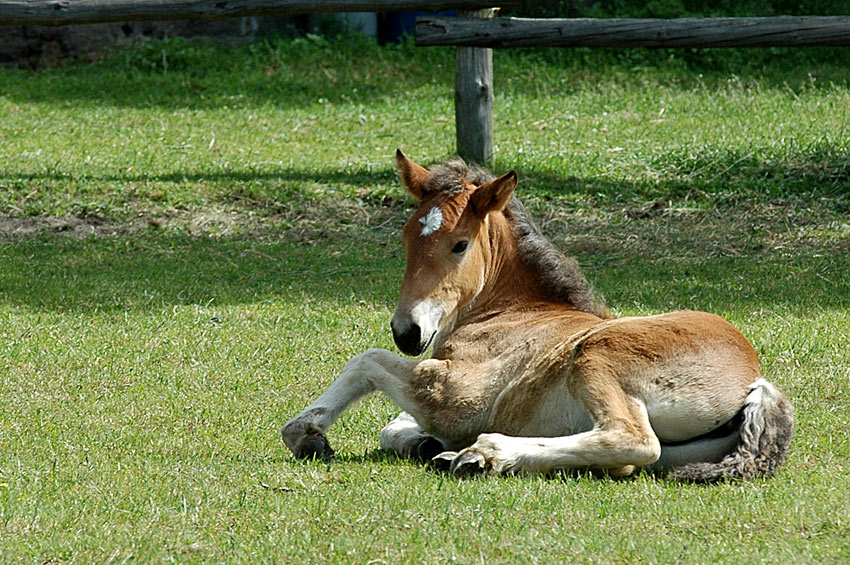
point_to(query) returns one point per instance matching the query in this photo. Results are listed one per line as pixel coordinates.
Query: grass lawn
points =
(194, 240)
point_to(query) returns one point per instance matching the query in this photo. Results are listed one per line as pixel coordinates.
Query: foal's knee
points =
(636, 448)
(648, 452)
(644, 450)
(635, 453)
(369, 360)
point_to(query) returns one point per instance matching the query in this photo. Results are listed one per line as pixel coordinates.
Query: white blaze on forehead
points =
(431, 221)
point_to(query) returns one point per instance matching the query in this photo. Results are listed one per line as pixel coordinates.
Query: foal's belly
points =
(557, 414)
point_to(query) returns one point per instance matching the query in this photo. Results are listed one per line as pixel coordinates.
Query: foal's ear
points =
(413, 176)
(494, 195)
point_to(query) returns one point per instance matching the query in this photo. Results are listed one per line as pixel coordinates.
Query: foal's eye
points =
(460, 247)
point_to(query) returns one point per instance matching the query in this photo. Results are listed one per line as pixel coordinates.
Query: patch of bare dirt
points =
(196, 223)
(609, 233)
(304, 221)
(663, 231)
(80, 227)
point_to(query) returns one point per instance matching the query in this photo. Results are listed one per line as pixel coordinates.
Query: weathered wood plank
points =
(64, 12)
(474, 98)
(782, 31)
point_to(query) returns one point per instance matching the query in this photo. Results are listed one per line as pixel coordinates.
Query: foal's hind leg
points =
(621, 440)
(376, 369)
(405, 437)
(617, 448)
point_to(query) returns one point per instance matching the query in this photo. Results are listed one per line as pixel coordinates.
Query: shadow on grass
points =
(355, 177)
(822, 171)
(152, 270)
(818, 171)
(275, 72)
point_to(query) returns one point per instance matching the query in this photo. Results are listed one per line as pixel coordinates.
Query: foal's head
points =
(446, 255)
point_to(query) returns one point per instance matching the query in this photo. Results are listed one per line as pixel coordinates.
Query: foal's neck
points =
(509, 284)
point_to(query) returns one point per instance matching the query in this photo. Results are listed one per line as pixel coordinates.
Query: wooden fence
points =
(475, 32)
(65, 12)
(782, 31)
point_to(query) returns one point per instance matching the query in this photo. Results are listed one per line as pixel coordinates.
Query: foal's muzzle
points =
(414, 329)
(409, 339)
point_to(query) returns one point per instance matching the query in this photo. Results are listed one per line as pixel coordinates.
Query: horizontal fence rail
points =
(66, 12)
(781, 31)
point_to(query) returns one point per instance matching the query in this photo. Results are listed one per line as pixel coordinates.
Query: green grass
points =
(213, 233)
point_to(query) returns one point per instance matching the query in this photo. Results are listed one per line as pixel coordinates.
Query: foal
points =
(529, 372)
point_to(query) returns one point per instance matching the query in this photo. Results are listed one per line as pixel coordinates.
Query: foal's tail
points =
(764, 437)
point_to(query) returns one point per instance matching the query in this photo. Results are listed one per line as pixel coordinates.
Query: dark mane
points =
(448, 177)
(560, 276)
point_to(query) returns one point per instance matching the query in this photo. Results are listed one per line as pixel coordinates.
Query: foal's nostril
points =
(408, 339)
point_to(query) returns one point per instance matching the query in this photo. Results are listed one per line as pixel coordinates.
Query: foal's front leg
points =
(376, 369)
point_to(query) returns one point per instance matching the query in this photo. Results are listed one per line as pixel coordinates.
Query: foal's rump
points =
(756, 448)
(690, 370)
(698, 380)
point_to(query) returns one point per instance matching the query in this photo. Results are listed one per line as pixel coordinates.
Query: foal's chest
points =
(483, 380)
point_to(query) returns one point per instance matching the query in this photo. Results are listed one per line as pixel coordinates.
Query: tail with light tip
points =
(763, 442)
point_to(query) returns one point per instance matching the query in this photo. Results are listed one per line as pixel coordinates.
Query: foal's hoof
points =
(443, 461)
(429, 448)
(306, 441)
(315, 446)
(468, 463)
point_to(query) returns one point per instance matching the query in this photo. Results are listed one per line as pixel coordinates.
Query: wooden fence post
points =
(474, 98)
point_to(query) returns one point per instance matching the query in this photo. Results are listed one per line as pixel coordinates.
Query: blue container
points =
(395, 25)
